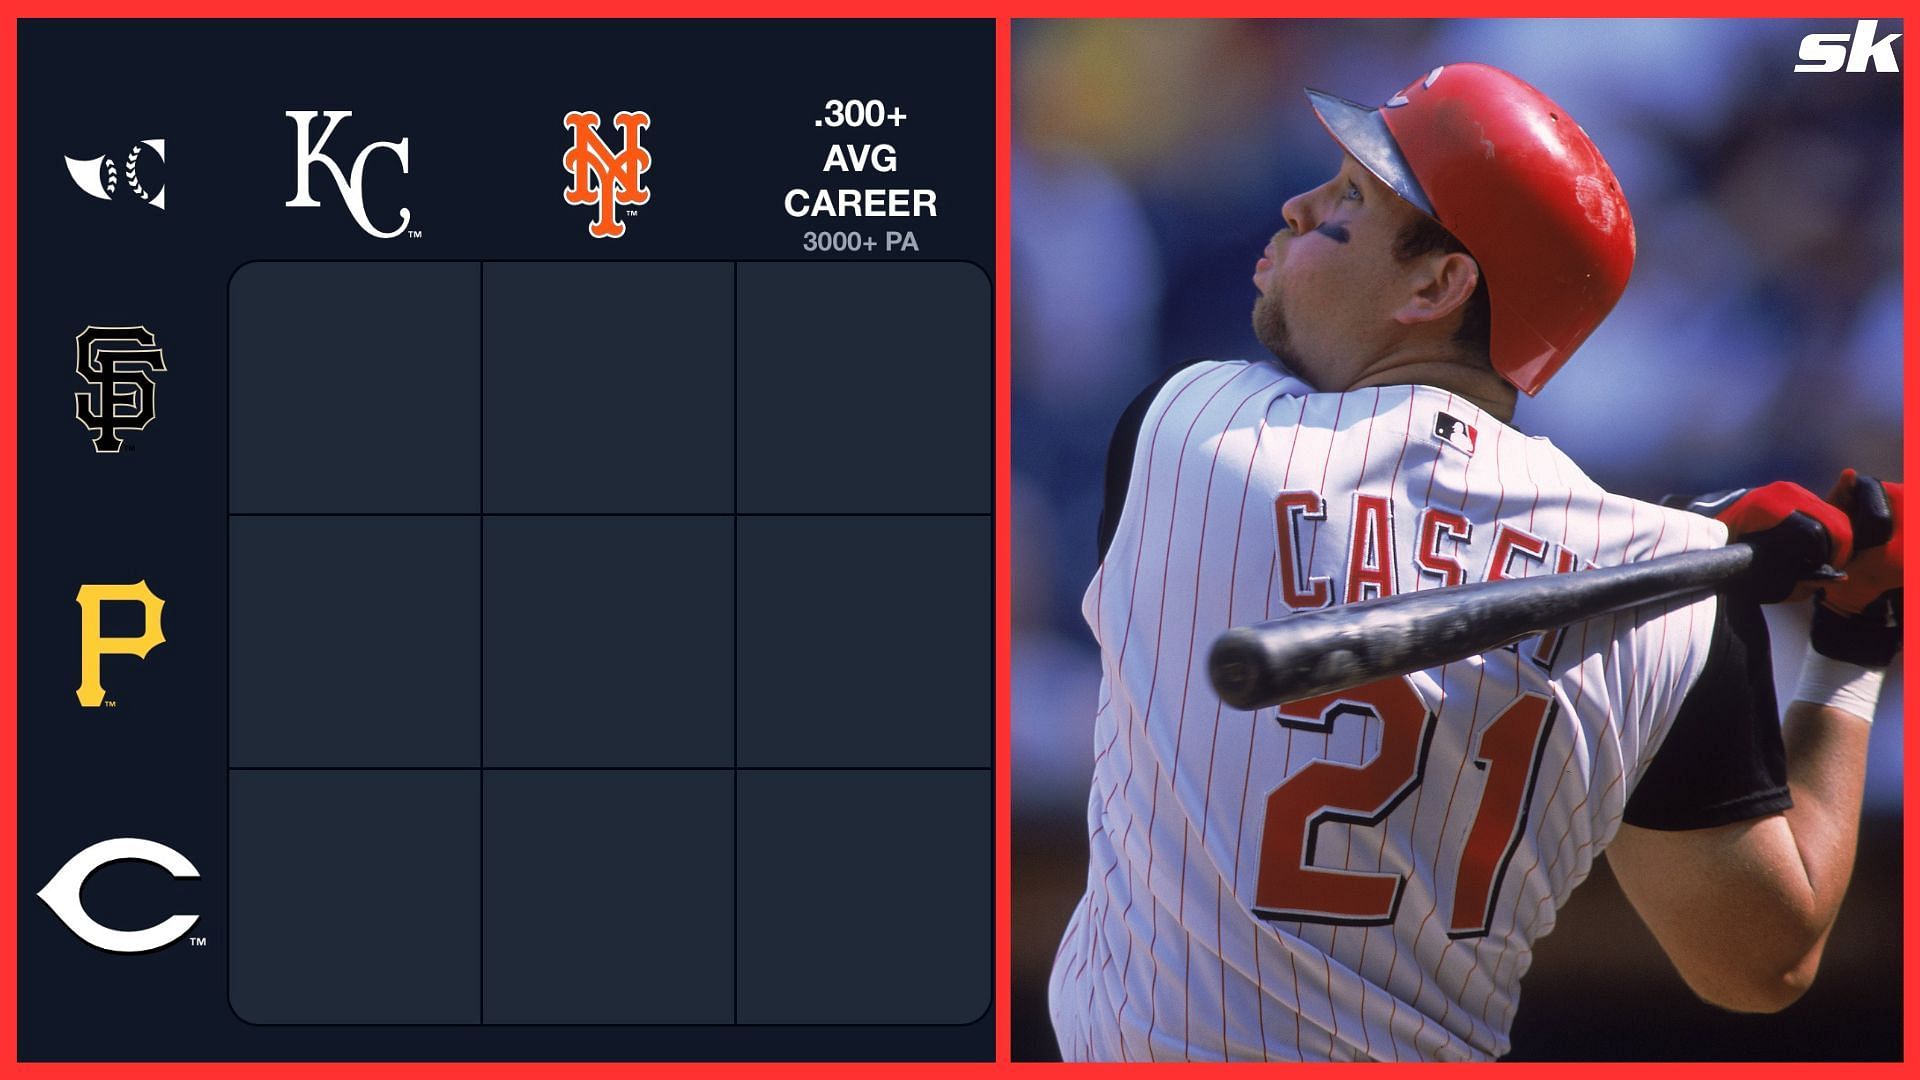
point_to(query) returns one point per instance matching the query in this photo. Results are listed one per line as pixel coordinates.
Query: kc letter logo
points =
(308, 153)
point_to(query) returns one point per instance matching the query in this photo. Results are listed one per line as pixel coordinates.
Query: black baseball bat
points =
(1309, 653)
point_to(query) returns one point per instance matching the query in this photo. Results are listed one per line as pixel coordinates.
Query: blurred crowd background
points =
(1760, 338)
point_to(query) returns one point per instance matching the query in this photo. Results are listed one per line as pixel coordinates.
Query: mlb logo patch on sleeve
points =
(1455, 432)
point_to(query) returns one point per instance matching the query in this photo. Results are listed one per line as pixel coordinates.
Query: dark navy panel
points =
(315, 369)
(355, 641)
(609, 641)
(355, 387)
(866, 641)
(865, 897)
(356, 897)
(609, 897)
(609, 387)
(866, 388)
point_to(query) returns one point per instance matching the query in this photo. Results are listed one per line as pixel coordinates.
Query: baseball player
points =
(1362, 875)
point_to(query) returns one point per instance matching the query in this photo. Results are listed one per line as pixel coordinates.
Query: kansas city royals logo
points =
(118, 363)
(308, 153)
(94, 644)
(602, 176)
(100, 177)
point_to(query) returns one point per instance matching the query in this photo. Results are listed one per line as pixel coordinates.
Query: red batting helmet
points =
(1519, 184)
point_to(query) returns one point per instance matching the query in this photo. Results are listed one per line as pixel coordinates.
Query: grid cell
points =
(354, 896)
(609, 897)
(609, 387)
(866, 641)
(609, 641)
(865, 388)
(354, 641)
(865, 897)
(354, 387)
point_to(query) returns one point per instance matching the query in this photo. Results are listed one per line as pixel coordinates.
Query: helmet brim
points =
(1363, 132)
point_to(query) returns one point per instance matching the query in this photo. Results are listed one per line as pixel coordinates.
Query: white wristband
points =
(1840, 685)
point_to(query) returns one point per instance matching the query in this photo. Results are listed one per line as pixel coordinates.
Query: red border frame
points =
(1003, 11)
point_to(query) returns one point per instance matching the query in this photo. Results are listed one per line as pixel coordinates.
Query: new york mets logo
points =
(602, 176)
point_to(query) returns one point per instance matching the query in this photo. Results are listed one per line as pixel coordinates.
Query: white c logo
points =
(62, 894)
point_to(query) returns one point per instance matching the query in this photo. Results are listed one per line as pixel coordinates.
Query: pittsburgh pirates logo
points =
(602, 176)
(118, 363)
(94, 644)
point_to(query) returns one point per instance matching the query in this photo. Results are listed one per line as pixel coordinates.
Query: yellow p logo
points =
(93, 646)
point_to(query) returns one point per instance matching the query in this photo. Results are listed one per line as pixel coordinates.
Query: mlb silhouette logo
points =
(1455, 432)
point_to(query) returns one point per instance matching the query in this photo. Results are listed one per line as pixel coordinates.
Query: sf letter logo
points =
(600, 175)
(93, 645)
(117, 363)
(307, 154)
(62, 894)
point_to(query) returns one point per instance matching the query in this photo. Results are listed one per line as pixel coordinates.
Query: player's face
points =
(1328, 280)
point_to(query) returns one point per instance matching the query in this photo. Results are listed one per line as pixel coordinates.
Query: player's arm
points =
(1744, 907)
(1744, 910)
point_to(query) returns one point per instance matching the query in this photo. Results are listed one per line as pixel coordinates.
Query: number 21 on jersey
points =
(1292, 887)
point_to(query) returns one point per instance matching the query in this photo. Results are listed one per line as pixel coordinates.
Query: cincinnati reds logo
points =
(118, 363)
(602, 176)
(62, 894)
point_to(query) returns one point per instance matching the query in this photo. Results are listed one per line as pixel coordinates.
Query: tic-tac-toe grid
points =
(611, 643)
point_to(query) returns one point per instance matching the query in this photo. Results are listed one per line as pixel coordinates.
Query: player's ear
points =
(1439, 284)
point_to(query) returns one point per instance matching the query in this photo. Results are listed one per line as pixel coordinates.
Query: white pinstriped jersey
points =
(1364, 875)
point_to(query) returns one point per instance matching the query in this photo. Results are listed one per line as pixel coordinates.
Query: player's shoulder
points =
(1167, 412)
(1629, 528)
(1460, 455)
(1196, 385)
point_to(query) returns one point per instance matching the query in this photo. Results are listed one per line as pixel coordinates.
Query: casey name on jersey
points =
(1442, 552)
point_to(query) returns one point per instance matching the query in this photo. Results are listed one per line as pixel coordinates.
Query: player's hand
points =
(1858, 619)
(1798, 538)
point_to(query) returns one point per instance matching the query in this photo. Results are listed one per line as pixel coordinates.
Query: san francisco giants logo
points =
(602, 176)
(117, 362)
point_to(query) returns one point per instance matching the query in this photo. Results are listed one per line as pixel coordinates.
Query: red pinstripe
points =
(1610, 724)
(1379, 855)
(1286, 481)
(1146, 504)
(1133, 589)
(1473, 724)
(1153, 682)
(1575, 671)
(1526, 460)
(1206, 802)
(1186, 688)
(1419, 797)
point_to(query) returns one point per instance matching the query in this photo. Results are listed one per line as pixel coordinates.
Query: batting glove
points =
(1797, 537)
(1858, 619)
